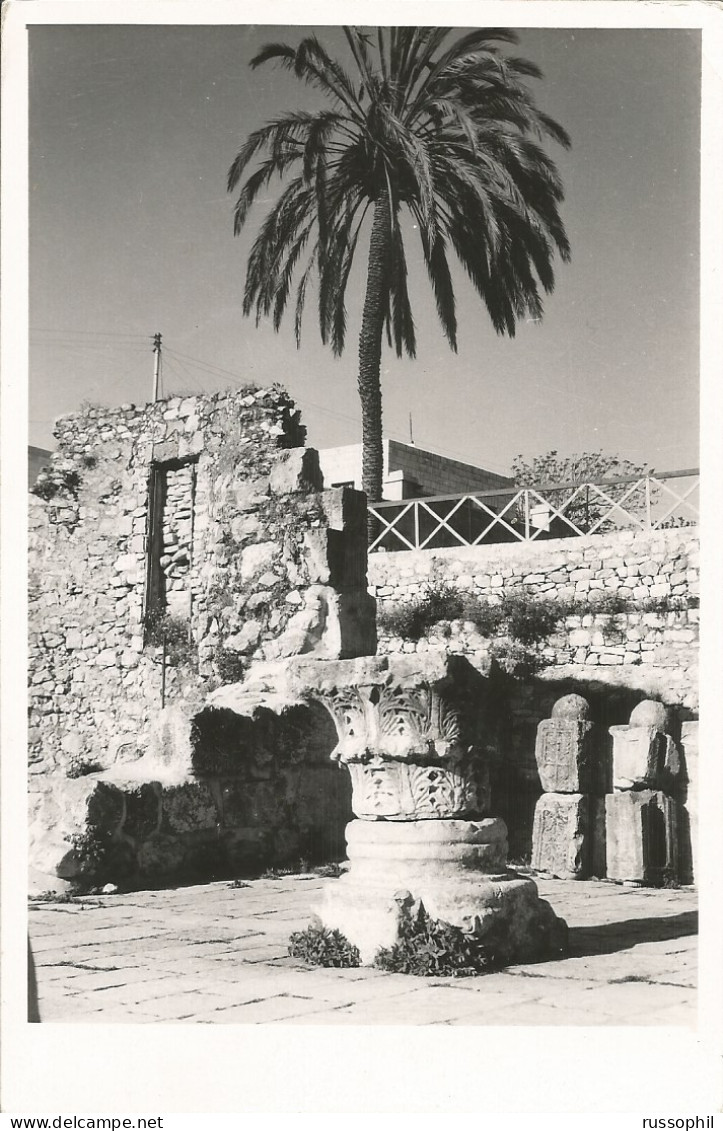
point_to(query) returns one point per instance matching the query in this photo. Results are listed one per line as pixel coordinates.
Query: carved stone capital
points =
(394, 721)
(406, 791)
(408, 729)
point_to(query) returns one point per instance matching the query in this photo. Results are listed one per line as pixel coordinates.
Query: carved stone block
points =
(638, 756)
(409, 729)
(644, 755)
(561, 837)
(637, 835)
(563, 751)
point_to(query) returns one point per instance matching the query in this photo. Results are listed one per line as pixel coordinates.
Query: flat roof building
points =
(409, 472)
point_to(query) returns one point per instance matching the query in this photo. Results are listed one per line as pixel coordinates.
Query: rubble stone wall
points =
(208, 513)
(654, 650)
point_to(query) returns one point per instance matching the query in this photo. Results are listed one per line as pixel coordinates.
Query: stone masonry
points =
(654, 651)
(170, 546)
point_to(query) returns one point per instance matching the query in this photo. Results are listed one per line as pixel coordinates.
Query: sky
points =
(132, 131)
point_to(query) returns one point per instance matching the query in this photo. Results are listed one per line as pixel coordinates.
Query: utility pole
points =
(156, 364)
(411, 433)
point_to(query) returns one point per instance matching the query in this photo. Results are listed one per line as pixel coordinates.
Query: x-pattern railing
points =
(568, 510)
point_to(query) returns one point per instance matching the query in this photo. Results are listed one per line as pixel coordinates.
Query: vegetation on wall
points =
(56, 481)
(164, 629)
(517, 621)
(80, 767)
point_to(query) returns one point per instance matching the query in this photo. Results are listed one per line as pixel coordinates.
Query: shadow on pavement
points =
(606, 938)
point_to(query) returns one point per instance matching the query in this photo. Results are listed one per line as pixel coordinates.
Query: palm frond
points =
(435, 258)
(358, 44)
(447, 129)
(400, 321)
(301, 297)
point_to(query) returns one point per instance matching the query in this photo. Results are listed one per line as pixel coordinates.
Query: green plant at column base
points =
(321, 947)
(429, 946)
(92, 850)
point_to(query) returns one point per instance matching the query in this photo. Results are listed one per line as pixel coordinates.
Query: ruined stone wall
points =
(193, 529)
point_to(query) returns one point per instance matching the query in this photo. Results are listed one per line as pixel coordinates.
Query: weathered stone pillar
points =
(689, 809)
(410, 730)
(641, 815)
(562, 833)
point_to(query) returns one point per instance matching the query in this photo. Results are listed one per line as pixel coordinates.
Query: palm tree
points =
(452, 135)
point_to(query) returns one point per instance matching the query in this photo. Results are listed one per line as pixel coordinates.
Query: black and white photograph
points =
(362, 574)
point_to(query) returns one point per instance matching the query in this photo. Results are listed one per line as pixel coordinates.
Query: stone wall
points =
(170, 546)
(614, 660)
(652, 645)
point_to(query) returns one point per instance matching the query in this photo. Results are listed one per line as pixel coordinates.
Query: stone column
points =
(410, 731)
(562, 833)
(641, 813)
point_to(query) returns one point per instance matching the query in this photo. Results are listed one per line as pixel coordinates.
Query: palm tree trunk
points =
(370, 355)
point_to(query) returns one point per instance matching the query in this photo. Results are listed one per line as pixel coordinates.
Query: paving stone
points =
(180, 961)
(278, 1008)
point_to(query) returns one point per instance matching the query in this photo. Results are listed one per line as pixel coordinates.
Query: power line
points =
(210, 368)
(207, 365)
(133, 342)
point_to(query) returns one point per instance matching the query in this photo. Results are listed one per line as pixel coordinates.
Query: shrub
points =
(429, 946)
(515, 658)
(529, 620)
(163, 628)
(330, 871)
(486, 617)
(92, 852)
(279, 872)
(321, 947)
(524, 619)
(440, 602)
(231, 666)
(55, 481)
(79, 767)
(603, 602)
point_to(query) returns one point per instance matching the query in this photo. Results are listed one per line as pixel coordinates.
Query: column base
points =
(457, 869)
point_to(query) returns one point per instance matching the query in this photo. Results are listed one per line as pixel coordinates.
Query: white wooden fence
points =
(529, 514)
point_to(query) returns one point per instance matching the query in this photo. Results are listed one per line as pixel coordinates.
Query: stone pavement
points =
(216, 953)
